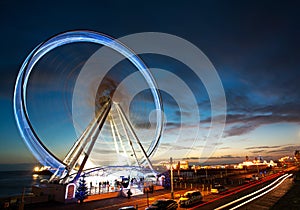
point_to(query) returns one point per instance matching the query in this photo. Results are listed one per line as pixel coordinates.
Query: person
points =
(129, 193)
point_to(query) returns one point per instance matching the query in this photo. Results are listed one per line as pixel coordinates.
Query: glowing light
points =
(35, 176)
(256, 192)
(263, 193)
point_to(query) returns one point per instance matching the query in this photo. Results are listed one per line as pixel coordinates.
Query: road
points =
(209, 201)
(260, 195)
(267, 201)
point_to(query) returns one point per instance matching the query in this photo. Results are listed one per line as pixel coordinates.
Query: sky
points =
(253, 45)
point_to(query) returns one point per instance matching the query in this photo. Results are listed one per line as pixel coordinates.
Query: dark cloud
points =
(263, 147)
(246, 120)
(271, 151)
(238, 130)
(285, 150)
(258, 151)
(172, 125)
(213, 158)
(217, 144)
(245, 114)
(224, 159)
(142, 124)
(225, 148)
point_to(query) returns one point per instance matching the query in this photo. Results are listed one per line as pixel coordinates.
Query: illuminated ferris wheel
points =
(110, 129)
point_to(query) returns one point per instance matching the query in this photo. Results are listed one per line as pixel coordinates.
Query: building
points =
(297, 155)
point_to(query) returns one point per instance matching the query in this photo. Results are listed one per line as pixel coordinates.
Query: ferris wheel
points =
(109, 124)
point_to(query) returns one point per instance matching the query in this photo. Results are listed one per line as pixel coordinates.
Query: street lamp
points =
(147, 191)
(171, 168)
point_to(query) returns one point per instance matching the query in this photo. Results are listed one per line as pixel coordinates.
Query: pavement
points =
(291, 200)
(105, 202)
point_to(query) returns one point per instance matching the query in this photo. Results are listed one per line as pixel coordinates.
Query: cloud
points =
(277, 150)
(225, 148)
(246, 119)
(258, 151)
(238, 130)
(263, 147)
(224, 159)
(214, 157)
(285, 150)
(172, 125)
(262, 89)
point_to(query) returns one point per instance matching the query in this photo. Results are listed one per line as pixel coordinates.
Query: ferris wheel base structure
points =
(78, 155)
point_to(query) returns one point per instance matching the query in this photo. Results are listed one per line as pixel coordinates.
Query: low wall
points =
(102, 196)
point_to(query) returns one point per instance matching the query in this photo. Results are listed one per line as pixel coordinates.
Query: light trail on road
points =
(279, 180)
(236, 190)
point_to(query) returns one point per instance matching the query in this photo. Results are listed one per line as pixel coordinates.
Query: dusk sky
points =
(254, 46)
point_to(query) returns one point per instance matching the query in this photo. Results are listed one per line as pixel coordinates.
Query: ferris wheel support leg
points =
(128, 139)
(71, 156)
(87, 137)
(79, 141)
(114, 136)
(120, 139)
(135, 136)
(78, 148)
(95, 135)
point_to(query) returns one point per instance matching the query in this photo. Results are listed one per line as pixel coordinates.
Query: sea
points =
(14, 181)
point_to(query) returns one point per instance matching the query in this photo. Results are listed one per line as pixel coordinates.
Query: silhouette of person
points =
(129, 193)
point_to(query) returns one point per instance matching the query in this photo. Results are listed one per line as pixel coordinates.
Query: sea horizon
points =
(17, 166)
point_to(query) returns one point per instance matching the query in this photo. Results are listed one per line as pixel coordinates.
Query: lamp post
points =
(21, 206)
(171, 168)
(147, 191)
